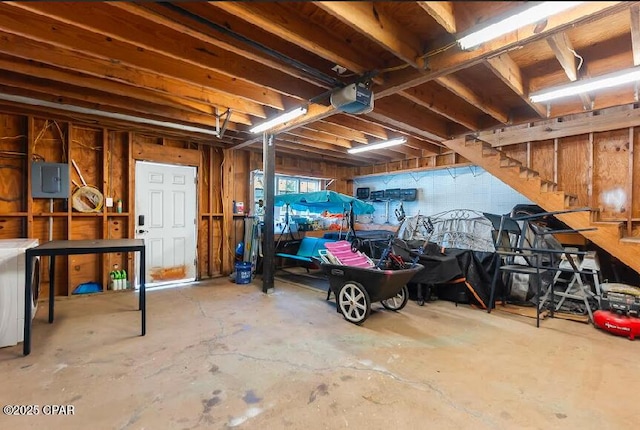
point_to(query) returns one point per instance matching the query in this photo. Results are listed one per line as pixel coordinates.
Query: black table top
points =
(87, 246)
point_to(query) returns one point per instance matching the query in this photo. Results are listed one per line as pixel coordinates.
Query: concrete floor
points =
(220, 355)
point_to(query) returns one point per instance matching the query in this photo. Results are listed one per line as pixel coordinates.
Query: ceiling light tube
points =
(105, 114)
(588, 85)
(529, 16)
(280, 119)
(380, 145)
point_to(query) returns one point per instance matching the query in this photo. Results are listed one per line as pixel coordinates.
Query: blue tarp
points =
(320, 201)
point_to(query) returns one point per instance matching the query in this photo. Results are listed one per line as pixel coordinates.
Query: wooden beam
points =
(284, 147)
(275, 18)
(327, 148)
(426, 148)
(439, 100)
(630, 170)
(508, 71)
(315, 112)
(409, 117)
(150, 37)
(454, 59)
(339, 131)
(561, 47)
(569, 127)
(33, 69)
(200, 32)
(635, 33)
(66, 94)
(42, 29)
(374, 23)
(442, 13)
(27, 49)
(487, 106)
(565, 54)
(320, 136)
(369, 128)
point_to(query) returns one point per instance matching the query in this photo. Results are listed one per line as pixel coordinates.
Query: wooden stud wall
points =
(106, 158)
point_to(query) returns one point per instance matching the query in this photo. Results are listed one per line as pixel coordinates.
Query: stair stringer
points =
(528, 183)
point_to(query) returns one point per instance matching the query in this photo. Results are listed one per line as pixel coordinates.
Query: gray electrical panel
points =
(50, 180)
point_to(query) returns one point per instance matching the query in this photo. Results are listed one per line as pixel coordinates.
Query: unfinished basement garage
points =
(319, 215)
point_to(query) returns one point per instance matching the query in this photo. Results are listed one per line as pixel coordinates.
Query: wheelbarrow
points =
(355, 288)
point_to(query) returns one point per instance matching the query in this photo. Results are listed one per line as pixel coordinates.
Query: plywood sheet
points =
(542, 158)
(517, 152)
(203, 248)
(636, 174)
(12, 227)
(13, 158)
(204, 178)
(86, 150)
(116, 179)
(50, 140)
(611, 173)
(573, 166)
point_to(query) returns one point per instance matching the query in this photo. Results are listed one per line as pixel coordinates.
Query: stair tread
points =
(631, 239)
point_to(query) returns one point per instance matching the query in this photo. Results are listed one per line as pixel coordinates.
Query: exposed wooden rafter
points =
(509, 72)
(566, 55)
(369, 20)
(442, 12)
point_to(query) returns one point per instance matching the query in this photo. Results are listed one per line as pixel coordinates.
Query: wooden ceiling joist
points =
(486, 105)
(338, 131)
(437, 99)
(190, 62)
(149, 37)
(453, 59)
(281, 22)
(509, 72)
(197, 30)
(442, 13)
(566, 55)
(369, 128)
(26, 49)
(373, 23)
(320, 137)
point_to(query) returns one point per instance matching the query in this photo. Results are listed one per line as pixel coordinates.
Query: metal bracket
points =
(227, 114)
(474, 172)
(451, 174)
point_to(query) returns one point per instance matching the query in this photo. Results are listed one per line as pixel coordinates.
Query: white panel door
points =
(166, 205)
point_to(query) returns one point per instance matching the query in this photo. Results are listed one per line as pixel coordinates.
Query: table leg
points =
(26, 346)
(142, 295)
(52, 289)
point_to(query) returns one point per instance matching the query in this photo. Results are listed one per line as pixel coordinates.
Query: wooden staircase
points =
(546, 194)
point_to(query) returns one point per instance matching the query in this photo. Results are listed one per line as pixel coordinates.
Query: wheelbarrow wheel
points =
(354, 302)
(398, 301)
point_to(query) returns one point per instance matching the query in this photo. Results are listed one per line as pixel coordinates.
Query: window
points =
(309, 185)
(287, 185)
(290, 184)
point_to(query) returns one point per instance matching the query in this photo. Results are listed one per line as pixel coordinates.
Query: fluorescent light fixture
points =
(280, 119)
(588, 85)
(529, 16)
(105, 114)
(385, 144)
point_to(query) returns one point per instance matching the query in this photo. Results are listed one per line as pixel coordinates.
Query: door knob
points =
(143, 231)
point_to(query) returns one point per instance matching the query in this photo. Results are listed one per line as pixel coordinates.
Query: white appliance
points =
(12, 269)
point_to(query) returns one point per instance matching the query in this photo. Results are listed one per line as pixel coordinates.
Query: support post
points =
(268, 247)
